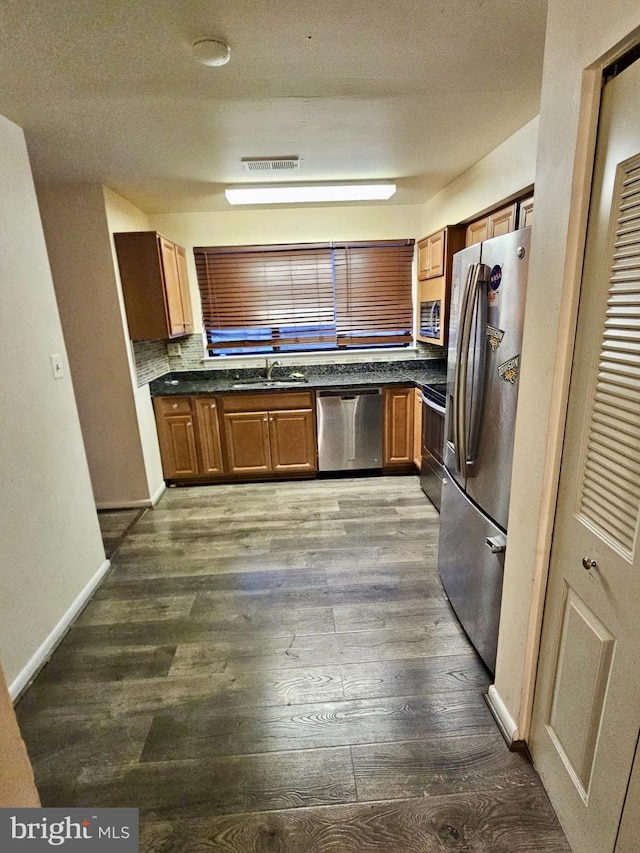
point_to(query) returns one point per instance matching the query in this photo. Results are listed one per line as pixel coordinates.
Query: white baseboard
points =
(159, 492)
(143, 504)
(507, 725)
(44, 652)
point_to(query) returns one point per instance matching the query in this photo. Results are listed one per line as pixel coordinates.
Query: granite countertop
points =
(317, 377)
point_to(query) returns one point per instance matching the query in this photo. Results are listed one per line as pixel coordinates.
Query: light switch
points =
(56, 365)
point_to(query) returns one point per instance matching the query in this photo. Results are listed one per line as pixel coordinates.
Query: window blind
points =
(305, 296)
(373, 294)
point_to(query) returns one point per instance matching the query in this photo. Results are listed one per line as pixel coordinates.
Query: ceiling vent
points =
(270, 164)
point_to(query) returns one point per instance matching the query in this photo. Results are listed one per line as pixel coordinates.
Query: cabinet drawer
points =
(266, 402)
(173, 405)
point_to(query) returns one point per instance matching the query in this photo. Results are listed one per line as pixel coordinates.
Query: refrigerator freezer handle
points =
(460, 424)
(457, 414)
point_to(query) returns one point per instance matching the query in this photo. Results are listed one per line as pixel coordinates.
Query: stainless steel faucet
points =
(269, 367)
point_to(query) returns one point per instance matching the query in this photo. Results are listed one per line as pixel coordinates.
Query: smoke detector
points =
(211, 51)
(270, 164)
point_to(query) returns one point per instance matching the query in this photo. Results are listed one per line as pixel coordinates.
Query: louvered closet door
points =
(587, 706)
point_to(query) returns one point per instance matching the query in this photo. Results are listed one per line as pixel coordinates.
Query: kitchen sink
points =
(259, 384)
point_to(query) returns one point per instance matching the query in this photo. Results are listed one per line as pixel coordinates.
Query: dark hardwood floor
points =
(115, 525)
(275, 667)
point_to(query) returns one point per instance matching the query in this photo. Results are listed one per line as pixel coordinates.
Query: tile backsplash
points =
(153, 361)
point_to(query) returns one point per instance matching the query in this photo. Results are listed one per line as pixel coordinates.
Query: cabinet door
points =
(502, 221)
(435, 254)
(183, 281)
(477, 231)
(417, 428)
(525, 212)
(398, 427)
(175, 317)
(423, 258)
(293, 440)
(209, 435)
(431, 255)
(247, 442)
(177, 446)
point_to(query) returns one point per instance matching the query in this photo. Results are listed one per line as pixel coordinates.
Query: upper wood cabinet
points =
(525, 212)
(155, 286)
(492, 225)
(431, 255)
(435, 254)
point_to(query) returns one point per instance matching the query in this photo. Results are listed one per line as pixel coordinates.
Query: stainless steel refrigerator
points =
(485, 335)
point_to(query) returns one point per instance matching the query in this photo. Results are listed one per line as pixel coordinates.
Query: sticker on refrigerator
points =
(495, 337)
(495, 278)
(509, 370)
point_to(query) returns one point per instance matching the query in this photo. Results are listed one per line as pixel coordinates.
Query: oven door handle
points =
(432, 405)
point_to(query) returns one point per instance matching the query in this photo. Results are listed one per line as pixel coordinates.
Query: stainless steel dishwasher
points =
(349, 429)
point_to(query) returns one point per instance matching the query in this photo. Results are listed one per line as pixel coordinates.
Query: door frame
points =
(583, 166)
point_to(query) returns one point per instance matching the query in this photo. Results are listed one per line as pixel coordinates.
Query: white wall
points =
(51, 544)
(504, 173)
(124, 216)
(80, 251)
(577, 36)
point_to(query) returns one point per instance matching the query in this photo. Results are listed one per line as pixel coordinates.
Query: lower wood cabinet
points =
(247, 440)
(270, 433)
(236, 436)
(398, 428)
(206, 410)
(176, 434)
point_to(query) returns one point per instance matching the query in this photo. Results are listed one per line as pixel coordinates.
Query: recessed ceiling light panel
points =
(211, 51)
(301, 193)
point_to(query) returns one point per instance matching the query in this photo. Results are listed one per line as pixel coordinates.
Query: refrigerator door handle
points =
(497, 544)
(460, 414)
(457, 379)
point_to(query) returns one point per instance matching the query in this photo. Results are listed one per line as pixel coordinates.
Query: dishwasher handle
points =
(349, 393)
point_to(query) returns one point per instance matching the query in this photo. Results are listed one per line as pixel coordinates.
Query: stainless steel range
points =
(432, 471)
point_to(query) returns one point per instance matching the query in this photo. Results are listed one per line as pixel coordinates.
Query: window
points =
(288, 298)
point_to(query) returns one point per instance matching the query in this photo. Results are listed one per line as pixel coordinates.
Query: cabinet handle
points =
(175, 406)
(265, 420)
(213, 405)
(188, 423)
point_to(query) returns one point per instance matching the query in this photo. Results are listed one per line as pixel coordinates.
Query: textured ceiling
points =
(413, 90)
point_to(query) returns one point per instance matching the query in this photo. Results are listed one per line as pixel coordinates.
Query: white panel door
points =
(587, 708)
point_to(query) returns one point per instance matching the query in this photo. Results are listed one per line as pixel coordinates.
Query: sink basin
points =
(259, 384)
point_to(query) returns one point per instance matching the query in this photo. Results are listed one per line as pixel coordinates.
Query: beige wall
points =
(51, 546)
(504, 173)
(577, 36)
(78, 241)
(123, 216)
(284, 225)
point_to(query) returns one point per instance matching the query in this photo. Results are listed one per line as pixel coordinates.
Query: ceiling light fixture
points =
(211, 51)
(301, 193)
